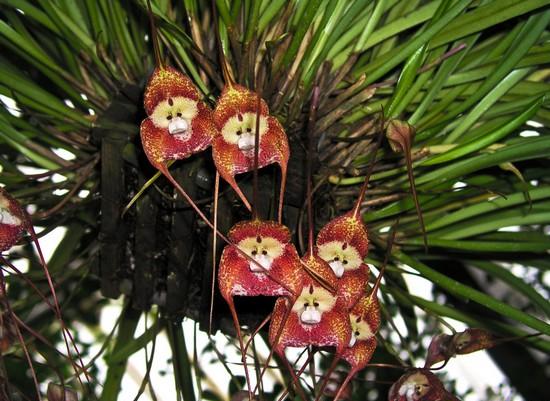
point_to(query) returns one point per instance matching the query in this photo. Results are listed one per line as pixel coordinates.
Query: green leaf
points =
(527, 148)
(486, 140)
(406, 80)
(133, 346)
(180, 359)
(390, 60)
(305, 21)
(516, 283)
(491, 98)
(116, 370)
(486, 16)
(489, 206)
(469, 293)
(19, 142)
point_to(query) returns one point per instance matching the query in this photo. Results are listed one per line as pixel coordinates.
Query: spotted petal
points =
(284, 276)
(346, 229)
(13, 221)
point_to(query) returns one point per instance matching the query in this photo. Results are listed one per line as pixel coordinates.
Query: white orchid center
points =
(312, 303)
(178, 126)
(352, 340)
(337, 267)
(414, 387)
(264, 250)
(360, 329)
(240, 130)
(310, 315)
(247, 141)
(175, 114)
(462, 340)
(6, 217)
(340, 256)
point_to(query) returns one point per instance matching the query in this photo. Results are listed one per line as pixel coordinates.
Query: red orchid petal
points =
(165, 83)
(237, 99)
(368, 308)
(346, 228)
(360, 354)
(14, 221)
(230, 161)
(235, 277)
(253, 228)
(333, 330)
(352, 284)
(160, 146)
(285, 276)
(319, 271)
(440, 349)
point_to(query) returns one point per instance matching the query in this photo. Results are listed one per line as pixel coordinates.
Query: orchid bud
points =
(419, 385)
(57, 392)
(440, 349)
(400, 135)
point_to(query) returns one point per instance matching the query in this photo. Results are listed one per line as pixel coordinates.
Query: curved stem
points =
(344, 384)
(327, 376)
(357, 207)
(67, 336)
(190, 201)
(214, 245)
(256, 158)
(310, 131)
(4, 295)
(231, 305)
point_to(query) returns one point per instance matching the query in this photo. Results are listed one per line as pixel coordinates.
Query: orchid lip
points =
(246, 142)
(264, 261)
(337, 267)
(9, 219)
(178, 126)
(310, 315)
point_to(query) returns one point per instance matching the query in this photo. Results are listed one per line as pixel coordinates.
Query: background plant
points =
(470, 76)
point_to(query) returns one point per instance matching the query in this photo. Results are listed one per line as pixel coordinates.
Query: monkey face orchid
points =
(419, 385)
(364, 320)
(472, 340)
(276, 270)
(362, 342)
(179, 124)
(235, 117)
(13, 221)
(316, 317)
(343, 243)
(368, 308)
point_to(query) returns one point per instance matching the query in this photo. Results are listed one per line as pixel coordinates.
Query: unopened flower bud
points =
(400, 135)
(57, 392)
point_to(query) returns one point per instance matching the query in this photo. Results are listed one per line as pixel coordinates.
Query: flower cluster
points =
(324, 298)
